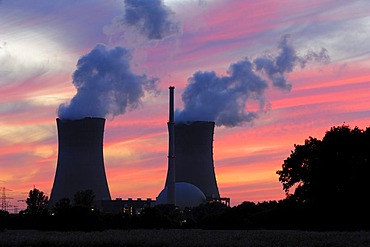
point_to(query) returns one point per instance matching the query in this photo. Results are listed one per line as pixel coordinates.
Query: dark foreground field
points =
(179, 238)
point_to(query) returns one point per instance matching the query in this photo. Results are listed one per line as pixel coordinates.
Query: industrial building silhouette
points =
(190, 179)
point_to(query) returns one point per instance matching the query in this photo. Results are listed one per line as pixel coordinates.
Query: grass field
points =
(181, 238)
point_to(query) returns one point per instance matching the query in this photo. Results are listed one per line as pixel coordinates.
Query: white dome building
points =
(187, 195)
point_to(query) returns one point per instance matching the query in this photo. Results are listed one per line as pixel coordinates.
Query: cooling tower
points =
(80, 159)
(194, 156)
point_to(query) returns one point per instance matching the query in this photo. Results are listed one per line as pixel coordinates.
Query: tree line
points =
(325, 182)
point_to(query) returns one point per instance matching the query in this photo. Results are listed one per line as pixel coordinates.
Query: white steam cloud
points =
(105, 85)
(224, 99)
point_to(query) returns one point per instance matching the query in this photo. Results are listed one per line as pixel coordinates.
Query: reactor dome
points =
(187, 195)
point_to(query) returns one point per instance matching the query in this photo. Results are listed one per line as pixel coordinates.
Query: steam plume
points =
(150, 18)
(105, 85)
(276, 67)
(225, 99)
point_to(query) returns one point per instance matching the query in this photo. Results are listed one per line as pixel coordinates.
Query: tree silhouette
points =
(62, 206)
(331, 171)
(300, 170)
(37, 202)
(329, 178)
(3, 218)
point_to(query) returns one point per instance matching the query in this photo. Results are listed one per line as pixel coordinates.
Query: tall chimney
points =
(80, 159)
(171, 178)
(194, 156)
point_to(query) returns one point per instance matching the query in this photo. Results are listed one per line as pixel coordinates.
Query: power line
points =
(4, 198)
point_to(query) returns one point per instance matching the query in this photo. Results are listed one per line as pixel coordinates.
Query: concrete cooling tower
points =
(194, 156)
(80, 159)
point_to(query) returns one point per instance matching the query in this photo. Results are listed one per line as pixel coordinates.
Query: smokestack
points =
(80, 159)
(194, 156)
(171, 177)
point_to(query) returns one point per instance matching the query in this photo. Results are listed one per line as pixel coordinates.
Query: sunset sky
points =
(42, 40)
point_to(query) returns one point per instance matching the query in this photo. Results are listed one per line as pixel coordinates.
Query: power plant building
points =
(190, 179)
(191, 167)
